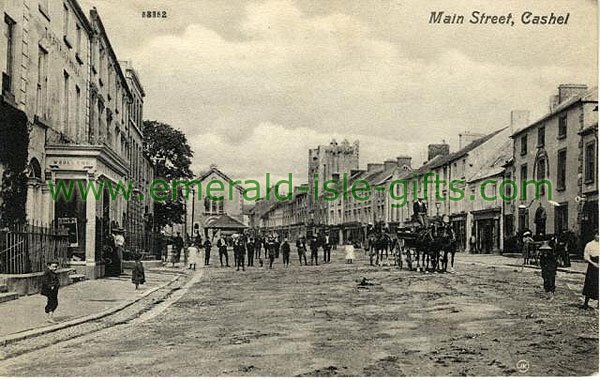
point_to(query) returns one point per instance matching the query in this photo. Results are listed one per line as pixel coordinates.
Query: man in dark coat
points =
(50, 285)
(222, 244)
(301, 247)
(178, 245)
(420, 211)
(239, 249)
(207, 247)
(314, 251)
(250, 249)
(285, 252)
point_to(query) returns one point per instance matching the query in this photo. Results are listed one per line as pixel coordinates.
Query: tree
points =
(169, 151)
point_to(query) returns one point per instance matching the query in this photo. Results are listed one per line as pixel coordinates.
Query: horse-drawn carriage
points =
(425, 248)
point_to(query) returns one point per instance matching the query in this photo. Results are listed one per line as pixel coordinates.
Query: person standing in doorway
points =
(50, 285)
(590, 286)
(119, 244)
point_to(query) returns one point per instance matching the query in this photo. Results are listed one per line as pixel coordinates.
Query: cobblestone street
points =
(481, 320)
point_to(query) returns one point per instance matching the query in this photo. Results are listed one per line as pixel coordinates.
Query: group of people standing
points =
(248, 250)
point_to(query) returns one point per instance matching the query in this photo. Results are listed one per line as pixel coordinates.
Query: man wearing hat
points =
(301, 247)
(420, 211)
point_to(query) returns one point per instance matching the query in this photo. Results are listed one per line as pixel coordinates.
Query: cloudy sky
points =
(254, 84)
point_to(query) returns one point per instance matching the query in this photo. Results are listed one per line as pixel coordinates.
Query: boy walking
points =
(137, 274)
(50, 285)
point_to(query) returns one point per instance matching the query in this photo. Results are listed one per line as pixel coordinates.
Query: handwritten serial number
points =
(154, 14)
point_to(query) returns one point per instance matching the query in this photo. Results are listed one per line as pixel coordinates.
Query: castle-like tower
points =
(328, 160)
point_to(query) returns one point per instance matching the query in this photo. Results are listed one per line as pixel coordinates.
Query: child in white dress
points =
(349, 248)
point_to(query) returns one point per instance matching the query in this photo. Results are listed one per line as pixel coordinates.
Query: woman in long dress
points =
(590, 287)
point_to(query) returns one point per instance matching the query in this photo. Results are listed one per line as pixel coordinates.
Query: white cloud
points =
(254, 85)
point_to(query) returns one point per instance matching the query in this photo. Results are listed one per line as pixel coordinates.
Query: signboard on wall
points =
(70, 224)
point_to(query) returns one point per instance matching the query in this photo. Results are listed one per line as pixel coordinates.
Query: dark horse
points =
(429, 242)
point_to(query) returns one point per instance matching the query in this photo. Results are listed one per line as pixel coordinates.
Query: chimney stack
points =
(518, 119)
(566, 91)
(467, 137)
(389, 164)
(374, 167)
(404, 160)
(437, 149)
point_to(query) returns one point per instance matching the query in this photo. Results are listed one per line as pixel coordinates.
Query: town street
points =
(313, 321)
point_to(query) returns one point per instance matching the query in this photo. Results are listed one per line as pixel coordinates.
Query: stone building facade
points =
(60, 70)
(560, 147)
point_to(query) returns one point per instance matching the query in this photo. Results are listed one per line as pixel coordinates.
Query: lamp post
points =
(193, 209)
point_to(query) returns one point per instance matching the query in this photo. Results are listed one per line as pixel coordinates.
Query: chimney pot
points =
(518, 119)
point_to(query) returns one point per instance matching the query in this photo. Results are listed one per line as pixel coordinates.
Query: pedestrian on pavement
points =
(285, 252)
(250, 250)
(119, 244)
(138, 276)
(222, 244)
(349, 248)
(301, 247)
(548, 264)
(207, 247)
(193, 256)
(314, 251)
(178, 245)
(50, 285)
(590, 286)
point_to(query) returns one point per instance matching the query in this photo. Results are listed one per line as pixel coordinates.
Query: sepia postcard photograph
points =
(313, 188)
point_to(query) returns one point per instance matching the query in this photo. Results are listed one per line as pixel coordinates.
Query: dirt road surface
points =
(318, 321)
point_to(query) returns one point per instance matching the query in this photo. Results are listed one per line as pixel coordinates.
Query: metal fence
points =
(27, 248)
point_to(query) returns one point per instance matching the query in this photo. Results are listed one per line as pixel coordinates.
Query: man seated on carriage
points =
(420, 211)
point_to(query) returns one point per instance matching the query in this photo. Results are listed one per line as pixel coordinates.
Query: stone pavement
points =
(77, 300)
(514, 260)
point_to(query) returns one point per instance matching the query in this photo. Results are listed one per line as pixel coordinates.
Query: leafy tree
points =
(169, 151)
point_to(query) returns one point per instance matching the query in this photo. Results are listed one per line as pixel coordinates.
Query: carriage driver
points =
(420, 211)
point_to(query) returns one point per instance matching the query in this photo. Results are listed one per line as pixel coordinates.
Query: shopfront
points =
(89, 216)
(487, 230)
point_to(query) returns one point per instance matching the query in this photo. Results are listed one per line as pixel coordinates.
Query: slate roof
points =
(226, 222)
(495, 165)
(589, 96)
(464, 151)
